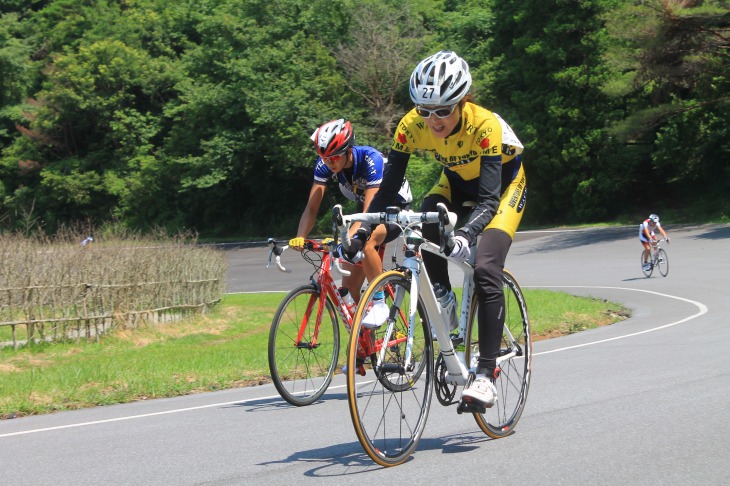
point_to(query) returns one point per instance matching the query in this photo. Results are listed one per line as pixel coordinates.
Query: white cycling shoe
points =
(376, 315)
(482, 394)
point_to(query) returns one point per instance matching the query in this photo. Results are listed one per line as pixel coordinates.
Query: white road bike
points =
(389, 413)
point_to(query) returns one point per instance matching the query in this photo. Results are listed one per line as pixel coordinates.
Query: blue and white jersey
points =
(366, 173)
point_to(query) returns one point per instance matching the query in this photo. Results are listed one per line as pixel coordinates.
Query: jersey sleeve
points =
(373, 168)
(393, 176)
(322, 173)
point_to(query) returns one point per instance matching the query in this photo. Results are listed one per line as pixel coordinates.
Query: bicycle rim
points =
(513, 381)
(302, 369)
(389, 405)
(663, 263)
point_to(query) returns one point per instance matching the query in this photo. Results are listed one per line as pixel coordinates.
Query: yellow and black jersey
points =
(482, 162)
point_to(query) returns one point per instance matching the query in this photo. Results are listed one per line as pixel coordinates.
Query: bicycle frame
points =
(324, 281)
(421, 286)
(304, 336)
(458, 372)
(654, 254)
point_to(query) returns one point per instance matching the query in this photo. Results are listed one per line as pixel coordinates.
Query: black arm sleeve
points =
(393, 175)
(490, 186)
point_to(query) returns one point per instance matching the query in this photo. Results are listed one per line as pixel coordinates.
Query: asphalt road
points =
(644, 401)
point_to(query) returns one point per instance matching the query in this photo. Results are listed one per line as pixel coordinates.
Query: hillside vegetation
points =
(197, 115)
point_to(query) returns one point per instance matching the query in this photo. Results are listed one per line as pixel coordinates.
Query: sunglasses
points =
(334, 157)
(442, 112)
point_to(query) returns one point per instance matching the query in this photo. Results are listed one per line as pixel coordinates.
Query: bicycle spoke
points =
(301, 371)
(513, 380)
(389, 406)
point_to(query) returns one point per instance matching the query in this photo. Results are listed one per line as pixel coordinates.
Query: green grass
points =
(556, 313)
(226, 348)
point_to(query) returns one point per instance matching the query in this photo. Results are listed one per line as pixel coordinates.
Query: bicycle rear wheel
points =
(302, 358)
(647, 269)
(663, 262)
(514, 362)
(390, 404)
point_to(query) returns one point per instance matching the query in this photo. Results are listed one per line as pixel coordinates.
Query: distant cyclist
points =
(647, 231)
(359, 171)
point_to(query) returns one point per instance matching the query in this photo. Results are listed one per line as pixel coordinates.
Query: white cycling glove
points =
(460, 252)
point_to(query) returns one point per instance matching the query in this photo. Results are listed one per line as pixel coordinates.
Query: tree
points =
(383, 45)
(545, 72)
(671, 65)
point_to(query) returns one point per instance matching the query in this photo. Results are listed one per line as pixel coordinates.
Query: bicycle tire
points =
(663, 262)
(389, 412)
(301, 372)
(513, 382)
(650, 270)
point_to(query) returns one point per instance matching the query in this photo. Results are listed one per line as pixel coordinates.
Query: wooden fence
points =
(89, 310)
(58, 292)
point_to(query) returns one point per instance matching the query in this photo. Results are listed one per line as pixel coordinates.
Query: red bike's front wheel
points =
(303, 353)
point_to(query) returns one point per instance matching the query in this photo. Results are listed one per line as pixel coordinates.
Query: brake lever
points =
(276, 251)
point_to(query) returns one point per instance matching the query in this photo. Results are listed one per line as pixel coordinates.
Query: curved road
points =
(644, 401)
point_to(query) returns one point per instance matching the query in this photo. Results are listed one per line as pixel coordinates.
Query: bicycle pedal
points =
(470, 407)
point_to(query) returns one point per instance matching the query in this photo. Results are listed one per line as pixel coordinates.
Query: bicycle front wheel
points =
(514, 361)
(303, 348)
(663, 262)
(647, 269)
(390, 404)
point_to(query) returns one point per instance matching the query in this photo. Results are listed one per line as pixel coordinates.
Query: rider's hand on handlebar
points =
(297, 242)
(460, 252)
(354, 253)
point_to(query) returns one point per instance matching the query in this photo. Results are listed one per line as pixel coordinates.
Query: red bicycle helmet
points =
(333, 138)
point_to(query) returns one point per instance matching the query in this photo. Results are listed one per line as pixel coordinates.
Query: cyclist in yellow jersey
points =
(481, 158)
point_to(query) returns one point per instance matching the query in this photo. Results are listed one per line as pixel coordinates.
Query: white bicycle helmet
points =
(654, 218)
(442, 79)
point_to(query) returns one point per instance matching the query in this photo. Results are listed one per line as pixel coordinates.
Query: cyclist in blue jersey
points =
(358, 170)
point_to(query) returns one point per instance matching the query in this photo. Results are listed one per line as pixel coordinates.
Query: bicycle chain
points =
(445, 392)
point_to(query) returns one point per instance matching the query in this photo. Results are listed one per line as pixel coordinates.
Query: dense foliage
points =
(197, 114)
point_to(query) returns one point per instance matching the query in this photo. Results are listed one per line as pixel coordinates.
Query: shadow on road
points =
(575, 238)
(278, 403)
(351, 456)
(715, 233)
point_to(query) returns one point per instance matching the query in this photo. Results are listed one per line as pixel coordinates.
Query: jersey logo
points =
(484, 143)
(402, 138)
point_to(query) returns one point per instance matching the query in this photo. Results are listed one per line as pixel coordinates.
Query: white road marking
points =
(702, 310)
(131, 417)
